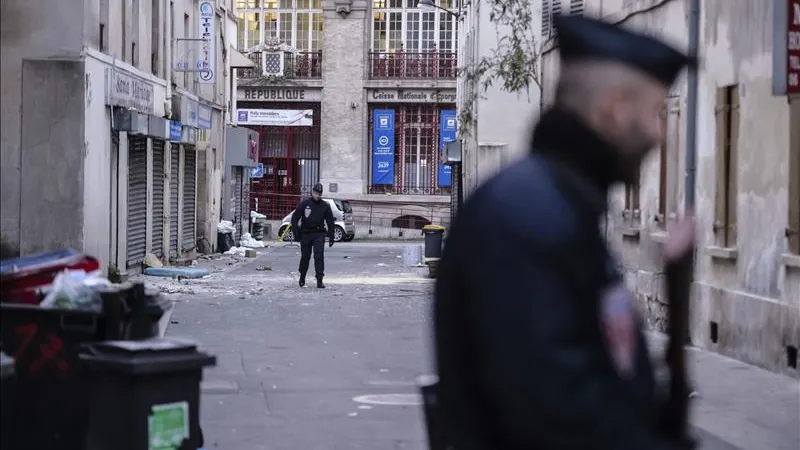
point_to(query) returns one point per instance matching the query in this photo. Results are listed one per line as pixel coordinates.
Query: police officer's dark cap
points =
(581, 38)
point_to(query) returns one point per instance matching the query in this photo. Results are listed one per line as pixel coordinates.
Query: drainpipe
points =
(691, 106)
(168, 56)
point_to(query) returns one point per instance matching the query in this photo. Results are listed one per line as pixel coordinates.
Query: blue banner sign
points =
(447, 133)
(382, 147)
(175, 130)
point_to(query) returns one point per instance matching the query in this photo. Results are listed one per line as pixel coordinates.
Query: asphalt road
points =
(295, 365)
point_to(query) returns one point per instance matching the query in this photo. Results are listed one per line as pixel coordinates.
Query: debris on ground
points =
(264, 268)
(248, 241)
(151, 260)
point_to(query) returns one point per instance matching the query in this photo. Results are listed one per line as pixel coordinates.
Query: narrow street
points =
(295, 364)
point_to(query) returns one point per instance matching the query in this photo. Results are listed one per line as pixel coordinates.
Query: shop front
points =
(408, 130)
(287, 120)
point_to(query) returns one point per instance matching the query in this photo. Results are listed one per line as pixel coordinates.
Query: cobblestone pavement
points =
(334, 368)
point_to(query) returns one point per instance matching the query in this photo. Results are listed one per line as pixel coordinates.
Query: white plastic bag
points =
(73, 289)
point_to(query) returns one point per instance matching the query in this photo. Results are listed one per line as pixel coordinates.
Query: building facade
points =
(746, 292)
(356, 95)
(502, 121)
(113, 126)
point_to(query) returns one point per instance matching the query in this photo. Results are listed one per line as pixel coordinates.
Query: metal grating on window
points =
(576, 7)
(174, 165)
(159, 156)
(137, 201)
(546, 21)
(188, 241)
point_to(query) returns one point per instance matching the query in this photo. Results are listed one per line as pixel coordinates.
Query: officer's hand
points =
(330, 243)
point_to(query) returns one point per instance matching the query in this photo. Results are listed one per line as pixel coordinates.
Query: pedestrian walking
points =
(311, 222)
(537, 341)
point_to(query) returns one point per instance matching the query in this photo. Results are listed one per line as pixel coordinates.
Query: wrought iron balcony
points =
(402, 64)
(295, 66)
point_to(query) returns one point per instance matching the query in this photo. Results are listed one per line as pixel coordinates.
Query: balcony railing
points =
(300, 65)
(401, 64)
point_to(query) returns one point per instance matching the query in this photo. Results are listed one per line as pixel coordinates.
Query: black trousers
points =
(315, 242)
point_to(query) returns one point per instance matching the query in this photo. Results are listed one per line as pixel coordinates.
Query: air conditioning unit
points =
(273, 63)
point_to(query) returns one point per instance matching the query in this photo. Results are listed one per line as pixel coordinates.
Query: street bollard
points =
(145, 394)
(427, 387)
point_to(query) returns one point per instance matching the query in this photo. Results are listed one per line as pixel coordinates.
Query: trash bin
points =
(434, 235)
(6, 400)
(427, 385)
(144, 394)
(224, 242)
(51, 408)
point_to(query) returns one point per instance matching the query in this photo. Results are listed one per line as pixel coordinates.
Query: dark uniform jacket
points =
(311, 217)
(521, 357)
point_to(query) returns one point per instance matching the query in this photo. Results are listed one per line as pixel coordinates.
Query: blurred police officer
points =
(538, 344)
(309, 223)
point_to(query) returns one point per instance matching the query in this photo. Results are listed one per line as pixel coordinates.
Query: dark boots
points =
(302, 282)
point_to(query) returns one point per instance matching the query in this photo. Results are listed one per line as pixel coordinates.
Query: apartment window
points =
(669, 152)
(793, 231)
(155, 37)
(632, 211)
(297, 23)
(727, 139)
(399, 25)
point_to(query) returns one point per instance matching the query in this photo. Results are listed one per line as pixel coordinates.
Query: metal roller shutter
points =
(237, 198)
(174, 163)
(189, 195)
(137, 200)
(158, 198)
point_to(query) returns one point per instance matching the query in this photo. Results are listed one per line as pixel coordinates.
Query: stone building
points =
(356, 95)
(746, 293)
(113, 124)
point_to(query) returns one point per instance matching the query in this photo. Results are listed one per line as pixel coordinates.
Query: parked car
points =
(344, 228)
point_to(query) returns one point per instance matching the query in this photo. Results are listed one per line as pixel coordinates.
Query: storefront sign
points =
(412, 96)
(203, 117)
(447, 133)
(280, 94)
(382, 147)
(189, 135)
(275, 117)
(129, 92)
(175, 128)
(208, 48)
(793, 48)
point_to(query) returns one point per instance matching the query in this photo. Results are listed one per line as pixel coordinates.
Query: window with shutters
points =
(576, 7)
(727, 140)
(793, 231)
(632, 212)
(546, 21)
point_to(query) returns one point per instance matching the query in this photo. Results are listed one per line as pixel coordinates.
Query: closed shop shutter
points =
(237, 198)
(457, 191)
(189, 196)
(174, 163)
(137, 200)
(158, 198)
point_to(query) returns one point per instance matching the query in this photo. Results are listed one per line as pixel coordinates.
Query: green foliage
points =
(512, 66)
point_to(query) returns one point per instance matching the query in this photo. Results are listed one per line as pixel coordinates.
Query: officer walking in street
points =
(309, 222)
(538, 343)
